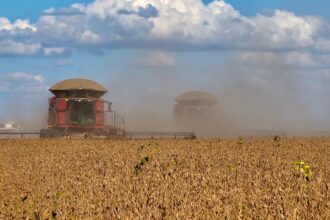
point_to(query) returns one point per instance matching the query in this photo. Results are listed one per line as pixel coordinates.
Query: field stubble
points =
(142, 179)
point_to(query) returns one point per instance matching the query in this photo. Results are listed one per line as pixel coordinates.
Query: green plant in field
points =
(57, 195)
(144, 160)
(140, 164)
(304, 170)
(230, 167)
(173, 160)
(233, 168)
(49, 214)
(53, 214)
(240, 141)
(277, 140)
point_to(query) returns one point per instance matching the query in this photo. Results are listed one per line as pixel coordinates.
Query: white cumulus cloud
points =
(18, 38)
(12, 47)
(162, 25)
(55, 51)
(23, 82)
(18, 25)
(22, 76)
(157, 59)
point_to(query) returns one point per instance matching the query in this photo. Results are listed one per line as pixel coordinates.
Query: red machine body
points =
(81, 110)
(61, 116)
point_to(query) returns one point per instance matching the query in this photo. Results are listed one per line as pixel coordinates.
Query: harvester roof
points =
(70, 86)
(196, 97)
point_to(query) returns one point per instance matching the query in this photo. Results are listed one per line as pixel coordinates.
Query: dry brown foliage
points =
(154, 179)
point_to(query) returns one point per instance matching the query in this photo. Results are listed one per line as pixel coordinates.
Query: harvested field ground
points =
(184, 179)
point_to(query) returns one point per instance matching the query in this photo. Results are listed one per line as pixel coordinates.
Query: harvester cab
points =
(77, 108)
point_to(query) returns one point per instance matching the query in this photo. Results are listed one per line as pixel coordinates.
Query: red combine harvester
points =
(77, 108)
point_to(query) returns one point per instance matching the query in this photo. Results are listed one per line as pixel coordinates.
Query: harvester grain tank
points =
(77, 107)
(193, 104)
(195, 110)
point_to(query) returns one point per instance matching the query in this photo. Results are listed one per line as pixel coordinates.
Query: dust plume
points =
(28, 110)
(262, 92)
(259, 93)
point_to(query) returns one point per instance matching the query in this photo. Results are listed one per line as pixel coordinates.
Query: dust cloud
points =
(262, 92)
(28, 110)
(258, 93)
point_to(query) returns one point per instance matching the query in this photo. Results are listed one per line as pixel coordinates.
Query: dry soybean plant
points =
(165, 179)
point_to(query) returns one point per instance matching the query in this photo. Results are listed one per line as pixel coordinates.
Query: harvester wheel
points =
(45, 133)
(88, 136)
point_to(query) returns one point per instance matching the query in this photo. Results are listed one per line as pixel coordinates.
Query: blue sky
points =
(156, 50)
(14, 9)
(251, 7)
